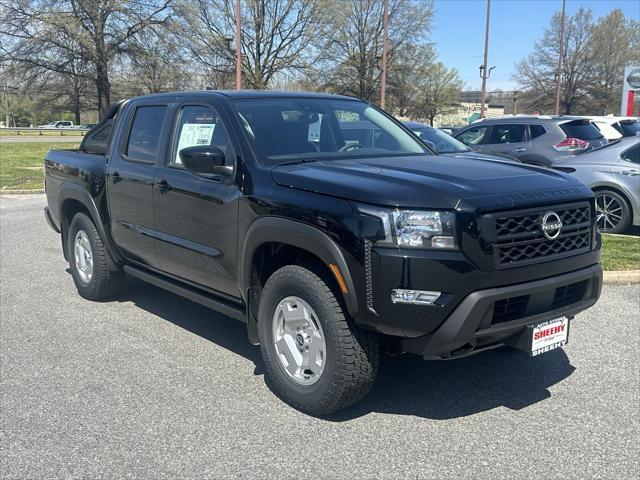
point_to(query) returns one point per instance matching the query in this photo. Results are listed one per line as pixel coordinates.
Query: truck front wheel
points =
(316, 359)
(92, 273)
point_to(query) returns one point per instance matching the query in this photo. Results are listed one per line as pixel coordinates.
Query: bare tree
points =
(537, 72)
(352, 46)
(276, 36)
(153, 63)
(615, 42)
(42, 32)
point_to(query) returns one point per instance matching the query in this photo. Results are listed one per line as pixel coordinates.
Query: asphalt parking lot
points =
(150, 385)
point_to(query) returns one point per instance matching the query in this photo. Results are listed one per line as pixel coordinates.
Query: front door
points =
(509, 139)
(197, 217)
(129, 181)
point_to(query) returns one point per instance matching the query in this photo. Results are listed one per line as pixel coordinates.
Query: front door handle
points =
(163, 186)
(116, 177)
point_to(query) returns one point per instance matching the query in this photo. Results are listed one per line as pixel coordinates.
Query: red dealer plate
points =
(549, 335)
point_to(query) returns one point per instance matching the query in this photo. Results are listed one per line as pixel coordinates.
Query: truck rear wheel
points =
(316, 359)
(92, 273)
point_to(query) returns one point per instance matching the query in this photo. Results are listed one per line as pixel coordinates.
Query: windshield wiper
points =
(299, 161)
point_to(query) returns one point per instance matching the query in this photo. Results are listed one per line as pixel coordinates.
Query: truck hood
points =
(439, 182)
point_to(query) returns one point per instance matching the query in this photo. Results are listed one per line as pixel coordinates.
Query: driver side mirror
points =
(205, 160)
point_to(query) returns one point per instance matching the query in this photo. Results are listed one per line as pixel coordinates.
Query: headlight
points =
(415, 228)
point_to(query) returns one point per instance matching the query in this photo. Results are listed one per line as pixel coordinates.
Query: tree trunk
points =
(103, 87)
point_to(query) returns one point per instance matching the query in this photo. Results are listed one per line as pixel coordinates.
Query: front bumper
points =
(472, 325)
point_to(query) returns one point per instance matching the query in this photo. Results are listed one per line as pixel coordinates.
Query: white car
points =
(613, 127)
(58, 124)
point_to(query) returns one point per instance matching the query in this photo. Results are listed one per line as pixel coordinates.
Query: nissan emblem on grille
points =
(551, 225)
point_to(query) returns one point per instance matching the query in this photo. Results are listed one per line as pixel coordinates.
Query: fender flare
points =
(300, 235)
(73, 191)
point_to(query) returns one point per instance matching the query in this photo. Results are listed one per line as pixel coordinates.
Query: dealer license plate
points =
(549, 335)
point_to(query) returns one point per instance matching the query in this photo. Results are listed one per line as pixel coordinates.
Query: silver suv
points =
(533, 139)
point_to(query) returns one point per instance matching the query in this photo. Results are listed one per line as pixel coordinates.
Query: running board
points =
(195, 295)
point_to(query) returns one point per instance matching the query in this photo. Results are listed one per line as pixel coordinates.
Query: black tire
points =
(352, 354)
(622, 208)
(106, 279)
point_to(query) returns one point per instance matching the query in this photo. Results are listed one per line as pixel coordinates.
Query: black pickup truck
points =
(333, 244)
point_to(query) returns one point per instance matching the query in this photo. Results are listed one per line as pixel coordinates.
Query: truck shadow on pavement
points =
(406, 385)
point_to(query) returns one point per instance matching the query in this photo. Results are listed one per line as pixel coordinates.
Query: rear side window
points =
(633, 154)
(536, 131)
(507, 134)
(144, 136)
(473, 136)
(582, 129)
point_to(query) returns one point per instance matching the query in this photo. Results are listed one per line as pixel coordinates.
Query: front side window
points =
(199, 125)
(286, 130)
(144, 136)
(507, 134)
(473, 136)
(440, 141)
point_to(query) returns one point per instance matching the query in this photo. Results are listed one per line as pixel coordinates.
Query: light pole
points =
(383, 87)
(238, 49)
(485, 66)
(559, 70)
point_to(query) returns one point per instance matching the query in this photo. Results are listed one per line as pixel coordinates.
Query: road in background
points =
(43, 138)
(150, 385)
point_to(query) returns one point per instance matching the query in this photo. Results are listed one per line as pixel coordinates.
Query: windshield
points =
(440, 141)
(308, 129)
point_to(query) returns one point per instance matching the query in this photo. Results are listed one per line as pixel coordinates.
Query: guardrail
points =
(41, 131)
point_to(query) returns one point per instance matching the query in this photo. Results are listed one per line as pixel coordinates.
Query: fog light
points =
(415, 297)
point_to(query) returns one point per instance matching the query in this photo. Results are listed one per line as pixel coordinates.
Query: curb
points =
(21, 192)
(629, 277)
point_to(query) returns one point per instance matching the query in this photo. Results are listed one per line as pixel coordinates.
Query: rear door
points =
(197, 217)
(129, 180)
(508, 138)
(583, 129)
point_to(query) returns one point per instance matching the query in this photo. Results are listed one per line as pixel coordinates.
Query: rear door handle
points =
(630, 173)
(519, 150)
(163, 186)
(116, 177)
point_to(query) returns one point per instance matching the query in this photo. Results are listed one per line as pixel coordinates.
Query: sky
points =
(459, 26)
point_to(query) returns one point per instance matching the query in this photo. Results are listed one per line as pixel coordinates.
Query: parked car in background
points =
(626, 126)
(444, 144)
(87, 126)
(450, 130)
(533, 139)
(58, 124)
(613, 173)
(606, 127)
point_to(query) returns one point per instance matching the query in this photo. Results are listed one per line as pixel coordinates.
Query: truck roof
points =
(256, 94)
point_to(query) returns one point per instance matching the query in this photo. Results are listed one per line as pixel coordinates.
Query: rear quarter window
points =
(537, 131)
(582, 129)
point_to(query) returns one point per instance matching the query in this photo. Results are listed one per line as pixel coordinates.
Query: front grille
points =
(516, 238)
(510, 309)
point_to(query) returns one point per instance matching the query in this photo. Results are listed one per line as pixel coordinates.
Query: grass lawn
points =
(22, 164)
(620, 252)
